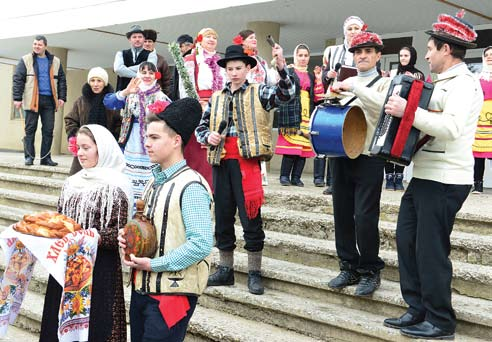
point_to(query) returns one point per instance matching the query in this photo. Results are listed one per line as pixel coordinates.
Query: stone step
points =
(16, 334)
(28, 201)
(465, 247)
(474, 315)
(206, 324)
(9, 215)
(221, 326)
(34, 170)
(320, 320)
(470, 279)
(270, 317)
(33, 184)
(471, 218)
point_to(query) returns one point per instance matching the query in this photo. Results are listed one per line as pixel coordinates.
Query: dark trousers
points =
(320, 168)
(390, 168)
(47, 113)
(479, 169)
(147, 324)
(292, 167)
(228, 196)
(356, 195)
(425, 221)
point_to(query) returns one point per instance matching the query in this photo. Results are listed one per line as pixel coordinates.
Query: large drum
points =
(338, 131)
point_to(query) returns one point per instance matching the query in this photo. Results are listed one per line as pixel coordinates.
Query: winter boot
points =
(285, 169)
(319, 172)
(390, 181)
(297, 171)
(399, 182)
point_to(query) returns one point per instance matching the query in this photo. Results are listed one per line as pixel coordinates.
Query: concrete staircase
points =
(300, 258)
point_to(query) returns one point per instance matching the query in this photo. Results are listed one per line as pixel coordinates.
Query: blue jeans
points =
(147, 324)
(46, 111)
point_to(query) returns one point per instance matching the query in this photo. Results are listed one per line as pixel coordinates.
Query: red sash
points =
(251, 178)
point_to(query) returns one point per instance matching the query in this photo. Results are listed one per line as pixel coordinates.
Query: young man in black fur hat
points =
(177, 199)
(241, 112)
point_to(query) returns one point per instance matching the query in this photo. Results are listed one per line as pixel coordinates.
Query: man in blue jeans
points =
(40, 88)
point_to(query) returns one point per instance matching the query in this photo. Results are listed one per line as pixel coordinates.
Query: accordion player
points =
(392, 140)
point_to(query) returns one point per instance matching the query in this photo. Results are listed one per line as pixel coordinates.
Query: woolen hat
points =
(99, 73)
(183, 116)
(454, 30)
(184, 38)
(134, 29)
(234, 53)
(366, 39)
(150, 35)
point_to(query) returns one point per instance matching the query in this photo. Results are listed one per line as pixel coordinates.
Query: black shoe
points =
(319, 183)
(284, 180)
(405, 320)
(297, 182)
(328, 190)
(345, 278)
(477, 187)
(48, 162)
(29, 161)
(427, 330)
(223, 276)
(368, 284)
(255, 284)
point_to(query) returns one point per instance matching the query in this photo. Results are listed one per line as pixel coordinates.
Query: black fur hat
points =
(183, 116)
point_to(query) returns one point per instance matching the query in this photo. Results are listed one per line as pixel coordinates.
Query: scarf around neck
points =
(97, 111)
(101, 183)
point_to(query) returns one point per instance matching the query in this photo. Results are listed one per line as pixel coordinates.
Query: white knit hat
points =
(352, 20)
(99, 73)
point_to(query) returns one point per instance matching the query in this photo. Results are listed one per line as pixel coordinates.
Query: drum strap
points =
(369, 85)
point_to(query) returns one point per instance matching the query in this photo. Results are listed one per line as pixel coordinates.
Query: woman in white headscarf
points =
(482, 146)
(137, 101)
(99, 196)
(333, 55)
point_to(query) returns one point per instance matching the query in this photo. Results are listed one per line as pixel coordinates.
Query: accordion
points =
(388, 125)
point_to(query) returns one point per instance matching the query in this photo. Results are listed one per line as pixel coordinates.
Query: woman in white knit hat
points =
(89, 109)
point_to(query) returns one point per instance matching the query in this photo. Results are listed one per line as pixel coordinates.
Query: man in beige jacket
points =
(442, 178)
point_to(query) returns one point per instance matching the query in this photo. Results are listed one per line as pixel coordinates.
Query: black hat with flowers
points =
(234, 53)
(454, 29)
(183, 116)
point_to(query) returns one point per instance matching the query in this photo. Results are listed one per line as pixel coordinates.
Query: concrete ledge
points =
(318, 319)
(32, 184)
(28, 201)
(466, 247)
(474, 315)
